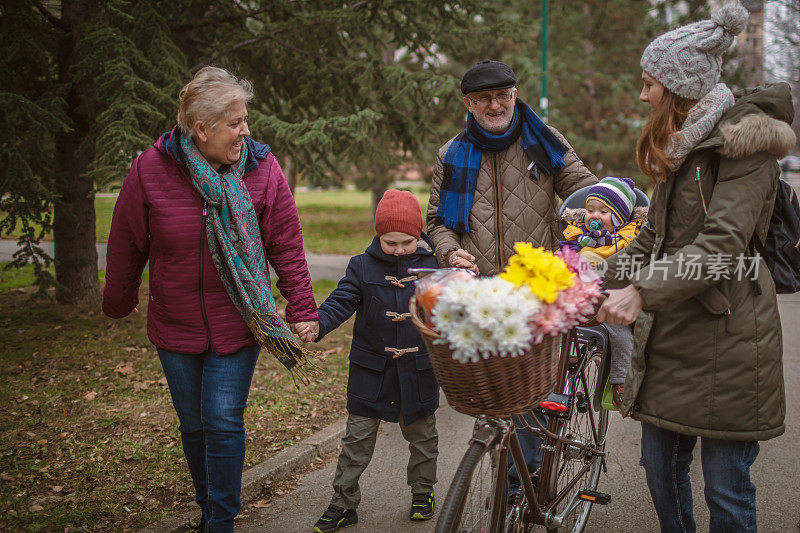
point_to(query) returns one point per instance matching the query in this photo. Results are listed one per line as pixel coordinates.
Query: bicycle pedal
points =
(600, 498)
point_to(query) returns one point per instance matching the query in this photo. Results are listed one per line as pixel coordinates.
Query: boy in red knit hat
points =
(391, 378)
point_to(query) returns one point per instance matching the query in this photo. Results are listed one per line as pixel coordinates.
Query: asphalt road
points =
(386, 496)
(321, 266)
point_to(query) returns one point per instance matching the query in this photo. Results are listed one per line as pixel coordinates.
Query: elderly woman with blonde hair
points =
(208, 207)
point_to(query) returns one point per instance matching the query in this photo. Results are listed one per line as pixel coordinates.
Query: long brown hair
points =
(665, 119)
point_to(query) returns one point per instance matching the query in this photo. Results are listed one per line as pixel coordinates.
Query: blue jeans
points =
(209, 392)
(729, 493)
(531, 449)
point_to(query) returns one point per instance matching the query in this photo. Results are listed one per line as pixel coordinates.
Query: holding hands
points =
(306, 331)
(463, 259)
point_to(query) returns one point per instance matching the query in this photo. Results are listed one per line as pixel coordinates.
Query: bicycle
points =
(573, 454)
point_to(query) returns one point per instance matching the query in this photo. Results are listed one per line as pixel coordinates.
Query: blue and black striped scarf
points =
(463, 159)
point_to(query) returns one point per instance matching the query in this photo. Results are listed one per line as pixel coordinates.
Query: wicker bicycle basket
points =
(497, 386)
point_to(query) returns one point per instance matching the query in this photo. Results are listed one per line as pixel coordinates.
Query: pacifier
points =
(594, 224)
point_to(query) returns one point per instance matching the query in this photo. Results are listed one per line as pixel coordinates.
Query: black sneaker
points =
(335, 517)
(422, 506)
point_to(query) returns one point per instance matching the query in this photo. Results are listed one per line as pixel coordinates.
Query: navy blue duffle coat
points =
(377, 288)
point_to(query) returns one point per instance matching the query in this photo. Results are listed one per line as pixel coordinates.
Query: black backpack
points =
(781, 248)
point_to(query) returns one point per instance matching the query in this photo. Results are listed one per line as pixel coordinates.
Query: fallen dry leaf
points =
(124, 368)
(261, 504)
(89, 396)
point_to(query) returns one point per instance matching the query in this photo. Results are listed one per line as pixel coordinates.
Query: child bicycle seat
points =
(577, 200)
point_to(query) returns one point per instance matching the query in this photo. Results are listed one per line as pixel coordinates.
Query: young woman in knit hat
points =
(391, 377)
(708, 346)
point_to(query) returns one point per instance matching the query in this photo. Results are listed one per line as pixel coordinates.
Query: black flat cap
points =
(486, 75)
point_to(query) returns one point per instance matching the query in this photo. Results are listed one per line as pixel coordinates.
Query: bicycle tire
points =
(570, 459)
(468, 505)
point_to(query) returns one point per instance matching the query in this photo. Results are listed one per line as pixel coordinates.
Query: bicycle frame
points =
(501, 433)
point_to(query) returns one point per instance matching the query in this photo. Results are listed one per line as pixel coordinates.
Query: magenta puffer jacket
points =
(159, 218)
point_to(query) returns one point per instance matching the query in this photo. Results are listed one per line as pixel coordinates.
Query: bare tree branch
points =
(52, 19)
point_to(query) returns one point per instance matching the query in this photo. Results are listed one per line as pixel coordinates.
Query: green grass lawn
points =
(334, 221)
(338, 221)
(88, 435)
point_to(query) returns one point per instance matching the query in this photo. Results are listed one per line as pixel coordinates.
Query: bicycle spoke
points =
(577, 468)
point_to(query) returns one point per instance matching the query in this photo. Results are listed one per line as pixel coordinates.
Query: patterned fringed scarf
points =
(463, 160)
(234, 241)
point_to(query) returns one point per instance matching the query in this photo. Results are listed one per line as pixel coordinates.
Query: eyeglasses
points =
(502, 98)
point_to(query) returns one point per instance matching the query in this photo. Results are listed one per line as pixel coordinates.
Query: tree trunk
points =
(591, 90)
(74, 216)
(288, 171)
(380, 183)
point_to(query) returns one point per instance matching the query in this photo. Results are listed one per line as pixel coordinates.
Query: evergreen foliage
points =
(342, 90)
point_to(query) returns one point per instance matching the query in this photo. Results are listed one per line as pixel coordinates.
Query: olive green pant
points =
(358, 445)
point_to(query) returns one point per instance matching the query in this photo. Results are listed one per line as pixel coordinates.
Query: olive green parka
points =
(707, 356)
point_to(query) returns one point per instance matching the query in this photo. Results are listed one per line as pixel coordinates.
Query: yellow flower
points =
(541, 271)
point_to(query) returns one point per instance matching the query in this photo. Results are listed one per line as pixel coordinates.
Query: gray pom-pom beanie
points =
(688, 60)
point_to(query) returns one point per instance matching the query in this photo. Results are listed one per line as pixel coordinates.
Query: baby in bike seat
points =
(608, 224)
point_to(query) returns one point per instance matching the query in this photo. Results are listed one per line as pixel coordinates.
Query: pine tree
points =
(88, 91)
(344, 89)
(351, 90)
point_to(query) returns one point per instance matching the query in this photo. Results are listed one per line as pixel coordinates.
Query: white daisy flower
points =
(446, 314)
(485, 311)
(514, 337)
(458, 291)
(462, 342)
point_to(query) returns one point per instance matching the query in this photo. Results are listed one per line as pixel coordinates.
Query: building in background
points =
(750, 44)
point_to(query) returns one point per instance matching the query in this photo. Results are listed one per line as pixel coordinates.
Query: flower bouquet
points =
(494, 342)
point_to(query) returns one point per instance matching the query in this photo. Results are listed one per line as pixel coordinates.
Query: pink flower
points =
(549, 321)
(579, 265)
(577, 302)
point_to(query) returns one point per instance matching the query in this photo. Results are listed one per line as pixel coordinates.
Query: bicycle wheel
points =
(472, 499)
(590, 427)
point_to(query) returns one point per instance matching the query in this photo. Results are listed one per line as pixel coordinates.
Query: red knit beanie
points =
(398, 211)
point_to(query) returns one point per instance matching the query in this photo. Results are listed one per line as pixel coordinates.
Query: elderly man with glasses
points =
(495, 183)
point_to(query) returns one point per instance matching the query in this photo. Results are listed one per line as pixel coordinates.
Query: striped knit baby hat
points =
(618, 195)
(688, 60)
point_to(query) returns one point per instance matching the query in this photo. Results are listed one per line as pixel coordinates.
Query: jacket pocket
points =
(714, 301)
(366, 374)
(428, 386)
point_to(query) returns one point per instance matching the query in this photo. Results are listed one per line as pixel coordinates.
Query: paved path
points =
(321, 266)
(385, 493)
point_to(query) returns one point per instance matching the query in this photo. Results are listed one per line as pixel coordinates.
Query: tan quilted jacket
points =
(508, 202)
